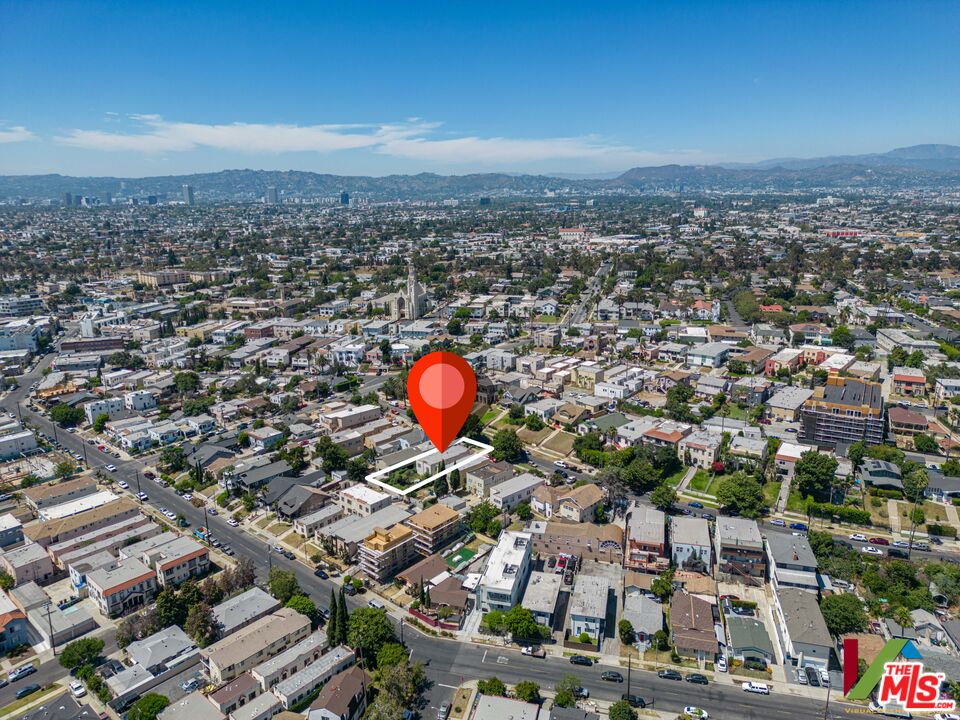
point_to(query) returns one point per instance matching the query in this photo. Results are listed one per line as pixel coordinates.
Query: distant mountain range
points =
(933, 166)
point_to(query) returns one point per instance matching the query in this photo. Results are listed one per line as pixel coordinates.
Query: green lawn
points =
(675, 479)
(795, 502)
(771, 491)
(489, 416)
(700, 481)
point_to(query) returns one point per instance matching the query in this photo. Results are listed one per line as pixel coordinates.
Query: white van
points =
(755, 687)
(376, 604)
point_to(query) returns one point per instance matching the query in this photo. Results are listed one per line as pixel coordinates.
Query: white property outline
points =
(469, 460)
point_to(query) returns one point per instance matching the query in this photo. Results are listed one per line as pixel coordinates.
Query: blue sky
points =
(163, 87)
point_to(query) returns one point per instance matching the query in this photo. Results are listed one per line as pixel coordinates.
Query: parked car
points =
(757, 688)
(695, 712)
(901, 543)
(634, 701)
(611, 676)
(27, 690)
(123, 485)
(21, 672)
(898, 553)
(697, 679)
(111, 467)
(922, 546)
(581, 660)
(870, 550)
(709, 516)
(444, 711)
(581, 693)
(802, 527)
(669, 675)
(321, 573)
(858, 537)
(697, 505)
(534, 651)
(778, 522)
(721, 664)
(801, 677)
(77, 688)
(879, 541)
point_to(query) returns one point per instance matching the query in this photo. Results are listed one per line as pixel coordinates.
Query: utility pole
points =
(629, 668)
(53, 642)
(139, 492)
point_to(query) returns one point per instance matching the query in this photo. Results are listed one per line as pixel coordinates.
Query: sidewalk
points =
(687, 477)
(893, 515)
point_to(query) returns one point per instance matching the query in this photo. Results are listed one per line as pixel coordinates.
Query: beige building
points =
(386, 552)
(435, 528)
(254, 644)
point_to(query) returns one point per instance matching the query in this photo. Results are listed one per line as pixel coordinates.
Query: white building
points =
(139, 400)
(690, 542)
(503, 581)
(507, 495)
(110, 407)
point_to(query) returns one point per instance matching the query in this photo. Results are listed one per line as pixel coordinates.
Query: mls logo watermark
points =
(901, 682)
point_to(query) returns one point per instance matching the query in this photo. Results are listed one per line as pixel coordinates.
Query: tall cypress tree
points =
(332, 620)
(343, 615)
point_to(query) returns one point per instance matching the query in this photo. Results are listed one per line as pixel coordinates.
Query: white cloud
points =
(17, 133)
(412, 139)
(159, 135)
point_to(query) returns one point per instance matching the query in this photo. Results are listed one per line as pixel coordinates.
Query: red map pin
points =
(442, 388)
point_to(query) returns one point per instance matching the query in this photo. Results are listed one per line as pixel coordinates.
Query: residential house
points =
(806, 640)
(690, 546)
(740, 550)
(588, 606)
(646, 540)
(692, 627)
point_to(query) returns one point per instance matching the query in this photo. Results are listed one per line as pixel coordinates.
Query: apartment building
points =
(508, 567)
(588, 606)
(646, 541)
(27, 563)
(294, 689)
(740, 549)
(384, 553)
(122, 586)
(843, 411)
(290, 661)
(54, 531)
(43, 496)
(479, 480)
(363, 500)
(792, 563)
(690, 546)
(435, 528)
(253, 644)
(178, 560)
(507, 495)
(111, 407)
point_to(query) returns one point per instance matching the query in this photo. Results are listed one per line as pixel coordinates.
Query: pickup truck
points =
(534, 651)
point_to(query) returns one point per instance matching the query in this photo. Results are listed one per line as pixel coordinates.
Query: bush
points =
(942, 530)
(884, 493)
(846, 513)
(876, 502)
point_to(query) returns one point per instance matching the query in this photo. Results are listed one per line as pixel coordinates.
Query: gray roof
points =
(747, 633)
(803, 618)
(739, 532)
(643, 612)
(353, 528)
(689, 531)
(646, 524)
(160, 648)
(243, 609)
(590, 596)
(543, 589)
(790, 397)
(790, 550)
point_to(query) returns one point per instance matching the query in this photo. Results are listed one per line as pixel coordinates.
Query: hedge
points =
(846, 513)
(884, 493)
(947, 530)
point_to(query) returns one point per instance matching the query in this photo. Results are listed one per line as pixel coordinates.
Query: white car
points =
(111, 467)
(142, 495)
(187, 497)
(77, 688)
(232, 523)
(721, 664)
(757, 688)
(123, 485)
(560, 463)
(946, 716)
(871, 550)
(901, 544)
(696, 712)
(858, 537)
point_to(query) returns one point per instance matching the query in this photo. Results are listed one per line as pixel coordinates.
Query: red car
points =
(879, 541)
